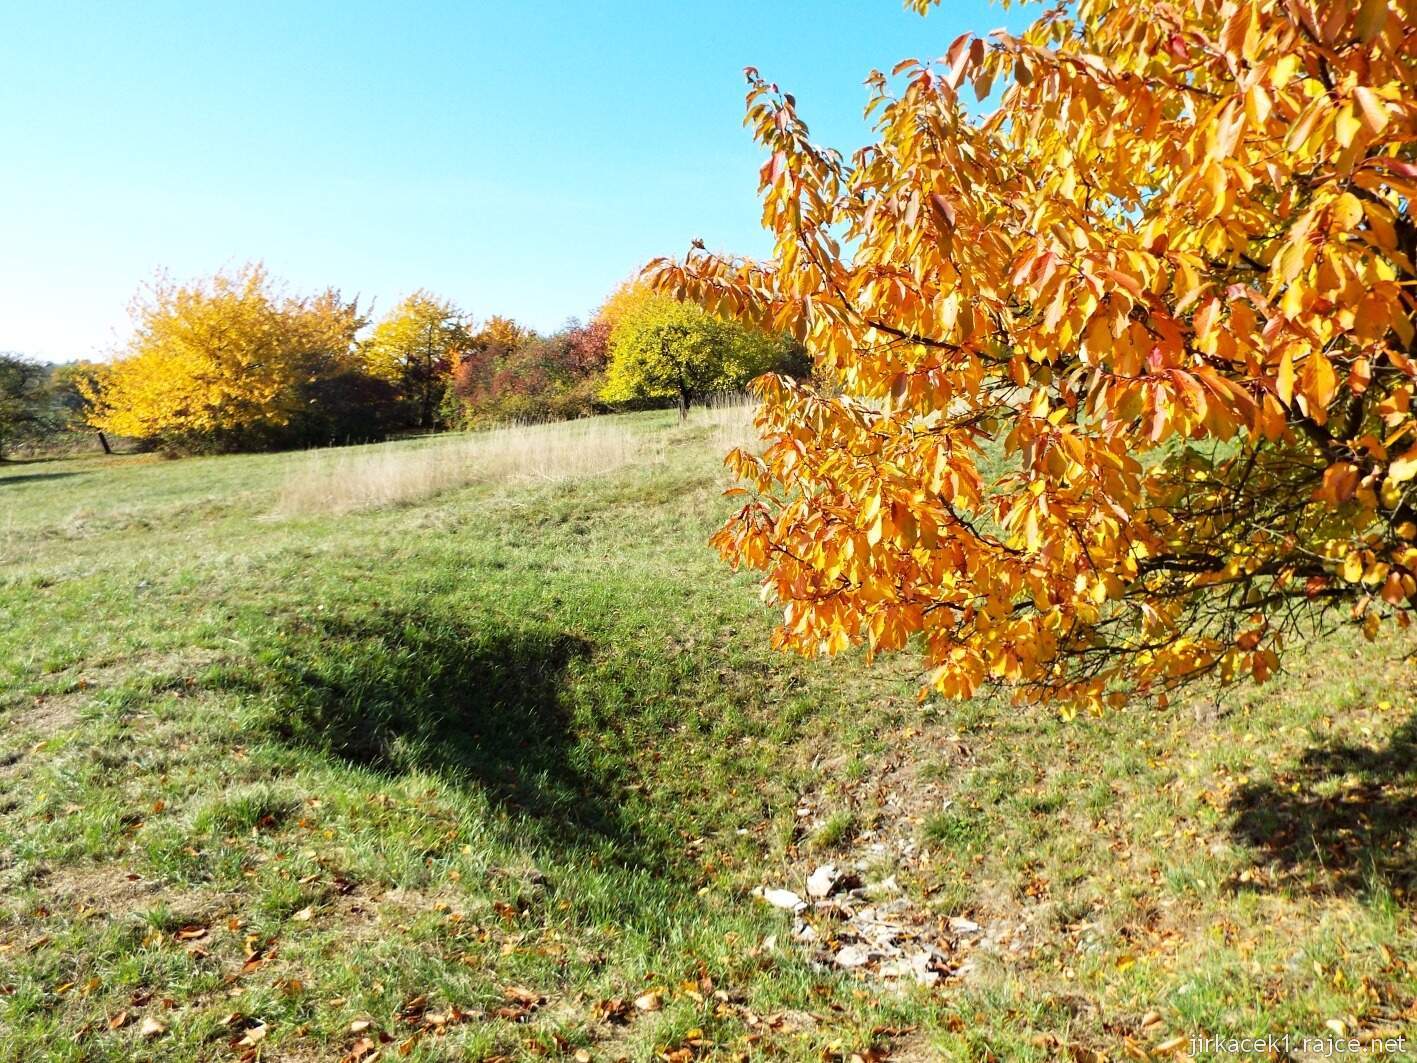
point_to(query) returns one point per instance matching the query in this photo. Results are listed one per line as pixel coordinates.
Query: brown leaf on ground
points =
(614, 1010)
(521, 1002)
(365, 1050)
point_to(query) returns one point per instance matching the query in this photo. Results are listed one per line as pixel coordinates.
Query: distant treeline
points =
(235, 362)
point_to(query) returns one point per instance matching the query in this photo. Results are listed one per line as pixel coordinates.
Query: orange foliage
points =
(1115, 383)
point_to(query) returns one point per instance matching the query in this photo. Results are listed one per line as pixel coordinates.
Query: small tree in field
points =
(415, 348)
(1167, 287)
(70, 383)
(663, 348)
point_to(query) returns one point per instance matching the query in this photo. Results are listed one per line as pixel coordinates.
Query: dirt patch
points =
(113, 889)
(45, 715)
(49, 714)
(176, 664)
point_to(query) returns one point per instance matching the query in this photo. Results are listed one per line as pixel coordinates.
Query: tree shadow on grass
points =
(33, 477)
(1343, 819)
(484, 707)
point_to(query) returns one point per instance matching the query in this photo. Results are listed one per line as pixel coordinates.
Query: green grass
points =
(275, 776)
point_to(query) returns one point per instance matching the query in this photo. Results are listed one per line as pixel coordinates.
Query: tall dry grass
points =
(729, 417)
(341, 481)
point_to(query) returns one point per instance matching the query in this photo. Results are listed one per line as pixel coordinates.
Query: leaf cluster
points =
(1113, 383)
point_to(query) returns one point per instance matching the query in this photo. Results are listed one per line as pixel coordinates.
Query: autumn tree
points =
(661, 347)
(70, 385)
(1115, 381)
(24, 402)
(486, 351)
(588, 346)
(511, 373)
(220, 363)
(415, 348)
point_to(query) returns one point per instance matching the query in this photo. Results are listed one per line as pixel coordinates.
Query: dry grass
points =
(341, 481)
(730, 416)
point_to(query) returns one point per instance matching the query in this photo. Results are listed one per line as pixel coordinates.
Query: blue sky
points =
(520, 158)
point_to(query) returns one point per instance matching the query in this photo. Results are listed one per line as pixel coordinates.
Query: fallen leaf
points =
(152, 1027)
(616, 1010)
(362, 1051)
(651, 1001)
(522, 995)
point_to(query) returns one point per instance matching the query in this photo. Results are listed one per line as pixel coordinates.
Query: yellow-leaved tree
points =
(1114, 384)
(415, 348)
(661, 347)
(220, 363)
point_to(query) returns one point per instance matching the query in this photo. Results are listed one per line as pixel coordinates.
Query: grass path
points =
(469, 777)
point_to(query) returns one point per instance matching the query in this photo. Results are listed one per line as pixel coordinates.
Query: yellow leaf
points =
(1257, 104)
(1284, 69)
(1404, 468)
(1352, 570)
(1347, 212)
(1320, 380)
(1284, 383)
(1215, 183)
(1346, 125)
(1374, 111)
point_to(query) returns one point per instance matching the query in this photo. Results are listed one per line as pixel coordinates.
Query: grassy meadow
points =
(472, 749)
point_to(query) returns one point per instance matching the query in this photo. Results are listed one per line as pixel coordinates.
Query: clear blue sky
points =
(519, 157)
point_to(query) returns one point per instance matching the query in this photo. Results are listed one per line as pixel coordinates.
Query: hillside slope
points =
(497, 771)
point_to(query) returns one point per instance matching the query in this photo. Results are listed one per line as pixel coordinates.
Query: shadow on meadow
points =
(33, 477)
(1344, 818)
(485, 707)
